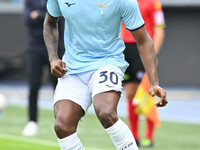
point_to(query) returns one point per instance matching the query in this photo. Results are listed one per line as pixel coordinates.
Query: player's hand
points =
(34, 14)
(58, 67)
(158, 91)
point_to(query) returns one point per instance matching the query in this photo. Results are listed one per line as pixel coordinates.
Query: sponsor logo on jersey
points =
(69, 5)
(109, 86)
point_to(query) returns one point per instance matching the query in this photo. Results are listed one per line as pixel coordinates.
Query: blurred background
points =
(178, 69)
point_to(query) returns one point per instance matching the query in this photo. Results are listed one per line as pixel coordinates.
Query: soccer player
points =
(93, 65)
(153, 16)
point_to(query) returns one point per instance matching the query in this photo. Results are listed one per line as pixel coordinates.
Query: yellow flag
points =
(145, 102)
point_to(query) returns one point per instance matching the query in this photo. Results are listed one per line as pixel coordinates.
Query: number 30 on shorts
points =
(105, 75)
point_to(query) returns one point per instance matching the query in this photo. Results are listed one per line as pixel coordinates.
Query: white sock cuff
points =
(68, 137)
(70, 142)
(117, 127)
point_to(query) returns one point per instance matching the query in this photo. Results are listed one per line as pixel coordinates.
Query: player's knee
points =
(64, 129)
(107, 118)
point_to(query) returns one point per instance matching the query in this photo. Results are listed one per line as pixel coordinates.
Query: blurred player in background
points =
(93, 65)
(37, 58)
(153, 16)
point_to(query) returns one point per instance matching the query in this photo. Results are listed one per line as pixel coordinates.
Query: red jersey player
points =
(153, 16)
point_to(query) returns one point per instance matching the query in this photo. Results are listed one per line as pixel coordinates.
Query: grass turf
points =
(170, 136)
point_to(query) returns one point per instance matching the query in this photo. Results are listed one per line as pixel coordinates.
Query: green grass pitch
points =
(170, 136)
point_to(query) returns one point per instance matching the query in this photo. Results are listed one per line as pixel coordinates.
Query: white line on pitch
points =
(35, 141)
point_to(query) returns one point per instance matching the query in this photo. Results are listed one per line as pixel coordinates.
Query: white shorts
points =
(81, 88)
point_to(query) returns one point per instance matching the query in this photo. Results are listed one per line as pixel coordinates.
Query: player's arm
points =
(159, 34)
(147, 53)
(158, 24)
(51, 37)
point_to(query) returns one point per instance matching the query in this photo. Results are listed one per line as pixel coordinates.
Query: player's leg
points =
(71, 100)
(105, 106)
(34, 83)
(67, 116)
(106, 88)
(133, 117)
(149, 136)
(34, 72)
(133, 76)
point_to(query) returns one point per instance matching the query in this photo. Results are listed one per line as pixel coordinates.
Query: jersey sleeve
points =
(158, 15)
(131, 15)
(53, 8)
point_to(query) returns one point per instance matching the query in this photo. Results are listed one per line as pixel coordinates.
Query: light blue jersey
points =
(92, 30)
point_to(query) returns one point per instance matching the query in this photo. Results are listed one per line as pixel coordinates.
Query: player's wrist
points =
(53, 58)
(154, 83)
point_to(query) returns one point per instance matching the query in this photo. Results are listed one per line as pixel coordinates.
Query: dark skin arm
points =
(58, 67)
(148, 56)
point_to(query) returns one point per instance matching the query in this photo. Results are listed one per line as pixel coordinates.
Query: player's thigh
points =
(106, 102)
(68, 113)
(131, 88)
